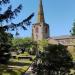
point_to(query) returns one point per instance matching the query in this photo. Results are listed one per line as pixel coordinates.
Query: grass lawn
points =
(24, 54)
(4, 70)
(10, 72)
(16, 67)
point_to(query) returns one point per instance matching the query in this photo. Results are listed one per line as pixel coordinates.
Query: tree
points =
(19, 43)
(25, 43)
(55, 60)
(6, 16)
(42, 43)
(73, 29)
(5, 45)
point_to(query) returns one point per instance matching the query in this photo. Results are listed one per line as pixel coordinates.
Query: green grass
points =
(4, 70)
(16, 70)
(11, 72)
(20, 66)
(23, 54)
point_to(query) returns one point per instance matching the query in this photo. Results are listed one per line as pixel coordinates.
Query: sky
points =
(59, 14)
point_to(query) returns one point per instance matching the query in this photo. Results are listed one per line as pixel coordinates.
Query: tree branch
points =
(4, 1)
(9, 14)
(22, 24)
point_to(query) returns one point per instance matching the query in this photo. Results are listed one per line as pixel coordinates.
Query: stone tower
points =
(40, 30)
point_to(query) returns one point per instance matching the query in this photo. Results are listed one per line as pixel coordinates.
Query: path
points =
(29, 71)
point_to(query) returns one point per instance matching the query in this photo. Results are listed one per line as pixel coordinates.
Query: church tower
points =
(40, 30)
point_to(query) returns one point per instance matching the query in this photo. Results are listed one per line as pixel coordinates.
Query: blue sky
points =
(59, 14)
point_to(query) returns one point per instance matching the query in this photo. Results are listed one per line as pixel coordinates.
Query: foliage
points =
(9, 15)
(42, 43)
(25, 44)
(73, 29)
(55, 60)
(22, 42)
(5, 38)
(17, 41)
(5, 46)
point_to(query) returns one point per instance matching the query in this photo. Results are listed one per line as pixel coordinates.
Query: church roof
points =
(63, 37)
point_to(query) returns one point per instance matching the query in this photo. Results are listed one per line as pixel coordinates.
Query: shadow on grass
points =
(19, 64)
(11, 72)
(6, 71)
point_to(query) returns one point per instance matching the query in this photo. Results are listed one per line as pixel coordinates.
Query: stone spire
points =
(40, 17)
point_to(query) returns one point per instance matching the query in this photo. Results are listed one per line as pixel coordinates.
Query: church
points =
(40, 31)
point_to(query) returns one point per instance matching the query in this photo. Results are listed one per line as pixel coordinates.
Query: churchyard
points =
(41, 52)
(18, 64)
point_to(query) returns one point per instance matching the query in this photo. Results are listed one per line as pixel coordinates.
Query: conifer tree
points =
(7, 16)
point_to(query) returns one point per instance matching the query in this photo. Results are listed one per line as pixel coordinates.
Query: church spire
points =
(40, 17)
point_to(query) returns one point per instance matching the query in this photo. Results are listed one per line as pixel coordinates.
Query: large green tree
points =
(19, 43)
(7, 16)
(55, 60)
(25, 43)
(5, 46)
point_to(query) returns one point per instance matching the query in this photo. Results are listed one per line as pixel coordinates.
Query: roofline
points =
(64, 37)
